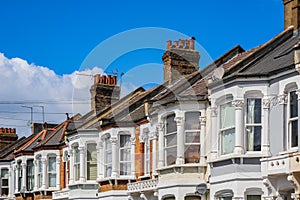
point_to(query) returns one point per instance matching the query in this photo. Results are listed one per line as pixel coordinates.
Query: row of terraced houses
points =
(227, 131)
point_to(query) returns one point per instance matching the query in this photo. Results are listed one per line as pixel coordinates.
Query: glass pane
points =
(293, 104)
(253, 138)
(4, 191)
(192, 198)
(76, 155)
(170, 124)
(92, 171)
(124, 140)
(52, 164)
(52, 180)
(4, 173)
(253, 111)
(169, 198)
(4, 182)
(192, 154)
(125, 155)
(171, 154)
(91, 152)
(192, 137)
(294, 130)
(192, 121)
(171, 140)
(125, 168)
(253, 197)
(108, 171)
(40, 167)
(228, 141)
(227, 115)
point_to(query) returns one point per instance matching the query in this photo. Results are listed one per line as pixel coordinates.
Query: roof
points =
(7, 154)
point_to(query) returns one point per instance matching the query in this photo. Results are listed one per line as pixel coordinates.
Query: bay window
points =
(76, 163)
(52, 171)
(91, 161)
(192, 137)
(227, 128)
(253, 124)
(170, 140)
(30, 175)
(125, 154)
(293, 119)
(107, 157)
(40, 172)
(4, 182)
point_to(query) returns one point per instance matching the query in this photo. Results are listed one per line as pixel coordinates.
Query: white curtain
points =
(125, 154)
(250, 120)
(52, 171)
(227, 115)
(227, 123)
(108, 157)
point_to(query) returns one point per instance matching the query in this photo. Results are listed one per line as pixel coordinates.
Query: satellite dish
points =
(218, 74)
(201, 189)
(29, 123)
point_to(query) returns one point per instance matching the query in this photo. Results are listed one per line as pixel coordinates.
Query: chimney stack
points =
(180, 59)
(291, 14)
(7, 136)
(104, 92)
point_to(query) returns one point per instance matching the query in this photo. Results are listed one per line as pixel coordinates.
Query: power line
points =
(20, 112)
(45, 102)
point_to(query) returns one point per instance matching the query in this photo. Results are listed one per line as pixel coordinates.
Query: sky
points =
(49, 50)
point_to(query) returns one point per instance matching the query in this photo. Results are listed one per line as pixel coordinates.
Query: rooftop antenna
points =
(43, 111)
(31, 115)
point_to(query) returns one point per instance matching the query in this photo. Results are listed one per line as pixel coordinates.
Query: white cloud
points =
(24, 82)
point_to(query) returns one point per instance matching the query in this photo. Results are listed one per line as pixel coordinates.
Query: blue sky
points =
(60, 34)
(43, 45)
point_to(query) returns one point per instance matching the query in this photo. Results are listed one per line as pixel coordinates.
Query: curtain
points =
(52, 171)
(227, 116)
(228, 141)
(125, 155)
(108, 157)
(91, 162)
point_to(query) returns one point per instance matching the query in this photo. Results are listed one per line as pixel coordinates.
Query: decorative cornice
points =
(266, 103)
(132, 140)
(113, 140)
(238, 104)
(214, 111)
(179, 121)
(202, 120)
(282, 99)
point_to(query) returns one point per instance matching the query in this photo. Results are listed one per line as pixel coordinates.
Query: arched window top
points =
(253, 94)
(224, 193)
(290, 86)
(168, 197)
(224, 99)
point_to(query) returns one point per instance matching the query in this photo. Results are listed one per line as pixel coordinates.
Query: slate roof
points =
(7, 154)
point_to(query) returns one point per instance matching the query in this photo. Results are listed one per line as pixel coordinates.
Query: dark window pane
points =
(170, 124)
(293, 104)
(192, 154)
(294, 130)
(192, 121)
(171, 154)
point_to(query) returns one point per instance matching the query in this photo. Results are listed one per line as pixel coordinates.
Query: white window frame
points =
(189, 131)
(167, 134)
(53, 171)
(125, 148)
(252, 125)
(290, 120)
(222, 130)
(107, 165)
(66, 168)
(20, 175)
(76, 163)
(40, 172)
(92, 162)
(28, 176)
(6, 187)
(147, 152)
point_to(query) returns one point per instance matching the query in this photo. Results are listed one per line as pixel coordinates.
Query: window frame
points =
(125, 148)
(290, 119)
(91, 162)
(30, 177)
(20, 175)
(253, 125)
(4, 186)
(223, 130)
(76, 163)
(168, 134)
(147, 151)
(107, 166)
(189, 131)
(52, 172)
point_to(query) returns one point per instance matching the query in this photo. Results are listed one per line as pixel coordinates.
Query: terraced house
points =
(225, 131)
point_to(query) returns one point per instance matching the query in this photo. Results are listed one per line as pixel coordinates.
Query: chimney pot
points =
(97, 78)
(175, 44)
(181, 43)
(192, 43)
(169, 44)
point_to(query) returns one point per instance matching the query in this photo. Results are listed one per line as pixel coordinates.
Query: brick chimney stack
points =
(104, 92)
(291, 14)
(180, 59)
(7, 136)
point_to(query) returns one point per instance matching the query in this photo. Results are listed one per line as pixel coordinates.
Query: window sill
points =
(116, 178)
(249, 154)
(289, 151)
